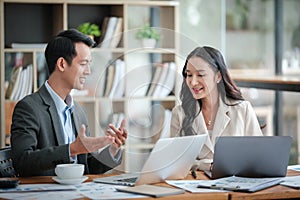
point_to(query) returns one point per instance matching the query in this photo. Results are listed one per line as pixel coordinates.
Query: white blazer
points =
(237, 120)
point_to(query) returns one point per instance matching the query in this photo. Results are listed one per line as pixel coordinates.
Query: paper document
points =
(191, 186)
(94, 191)
(241, 184)
(89, 190)
(38, 188)
(291, 181)
(294, 167)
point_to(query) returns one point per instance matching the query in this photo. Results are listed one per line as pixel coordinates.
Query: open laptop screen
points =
(171, 158)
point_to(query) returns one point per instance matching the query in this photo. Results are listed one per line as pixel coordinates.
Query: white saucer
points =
(70, 181)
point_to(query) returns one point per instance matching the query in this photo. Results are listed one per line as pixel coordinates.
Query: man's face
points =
(78, 71)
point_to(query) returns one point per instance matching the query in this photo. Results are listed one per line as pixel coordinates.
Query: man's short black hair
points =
(63, 45)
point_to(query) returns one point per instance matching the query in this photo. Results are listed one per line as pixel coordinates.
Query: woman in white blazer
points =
(211, 104)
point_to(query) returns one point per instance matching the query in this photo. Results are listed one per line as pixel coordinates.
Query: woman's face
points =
(201, 79)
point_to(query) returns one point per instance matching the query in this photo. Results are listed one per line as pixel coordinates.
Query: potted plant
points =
(89, 29)
(148, 35)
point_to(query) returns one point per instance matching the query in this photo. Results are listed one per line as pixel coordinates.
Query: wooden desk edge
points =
(275, 192)
(186, 196)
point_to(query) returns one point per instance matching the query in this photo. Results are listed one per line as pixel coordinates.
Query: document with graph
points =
(241, 184)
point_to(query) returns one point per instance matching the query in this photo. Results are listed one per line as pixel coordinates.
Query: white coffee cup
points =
(69, 171)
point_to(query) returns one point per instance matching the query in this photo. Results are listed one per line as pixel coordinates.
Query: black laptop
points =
(251, 156)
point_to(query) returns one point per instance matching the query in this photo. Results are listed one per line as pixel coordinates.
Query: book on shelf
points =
(120, 91)
(169, 83)
(118, 85)
(20, 83)
(29, 83)
(16, 45)
(117, 35)
(22, 88)
(103, 30)
(108, 28)
(13, 82)
(163, 80)
(154, 80)
(110, 72)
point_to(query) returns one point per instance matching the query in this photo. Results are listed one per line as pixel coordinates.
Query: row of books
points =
(20, 83)
(111, 32)
(113, 84)
(161, 85)
(163, 80)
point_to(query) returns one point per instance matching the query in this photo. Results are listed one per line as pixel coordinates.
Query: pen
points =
(204, 186)
(194, 174)
(218, 187)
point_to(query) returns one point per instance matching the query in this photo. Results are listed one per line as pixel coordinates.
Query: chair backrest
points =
(6, 165)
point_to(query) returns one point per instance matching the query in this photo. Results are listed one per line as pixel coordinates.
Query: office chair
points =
(6, 165)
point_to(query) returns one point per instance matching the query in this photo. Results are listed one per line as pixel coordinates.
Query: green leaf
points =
(147, 32)
(89, 29)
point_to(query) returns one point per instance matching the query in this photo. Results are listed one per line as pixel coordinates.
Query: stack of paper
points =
(241, 184)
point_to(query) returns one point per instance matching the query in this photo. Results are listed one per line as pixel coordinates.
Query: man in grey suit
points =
(49, 128)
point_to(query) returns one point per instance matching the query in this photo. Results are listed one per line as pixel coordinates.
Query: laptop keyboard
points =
(129, 180)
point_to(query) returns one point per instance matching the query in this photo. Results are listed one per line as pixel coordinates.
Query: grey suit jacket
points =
(37, 139)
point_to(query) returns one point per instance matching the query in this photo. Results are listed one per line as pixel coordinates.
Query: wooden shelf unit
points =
(32, 21)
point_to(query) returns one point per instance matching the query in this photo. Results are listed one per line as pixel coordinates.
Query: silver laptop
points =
(171, 158)
(251, 156)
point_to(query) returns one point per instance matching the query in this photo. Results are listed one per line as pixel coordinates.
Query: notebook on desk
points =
(171, 158)
(251, 156)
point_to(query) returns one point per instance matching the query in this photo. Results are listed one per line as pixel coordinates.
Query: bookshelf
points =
(35, 22)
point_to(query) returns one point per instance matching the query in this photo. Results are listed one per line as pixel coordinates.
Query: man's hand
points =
(120, 135)
(84, 144)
